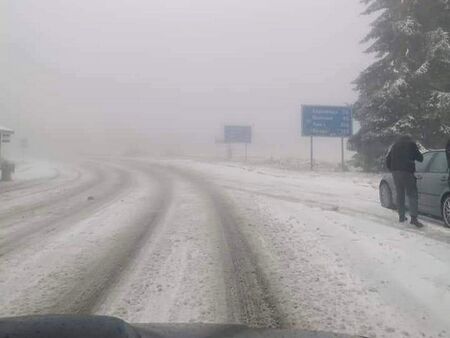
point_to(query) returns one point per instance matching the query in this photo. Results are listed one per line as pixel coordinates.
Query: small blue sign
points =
(238, 134)
(327, 121)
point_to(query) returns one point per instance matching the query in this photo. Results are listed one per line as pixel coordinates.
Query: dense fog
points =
(111, 76)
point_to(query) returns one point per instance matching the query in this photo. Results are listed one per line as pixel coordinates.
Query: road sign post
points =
(327, 121)
(229, 152)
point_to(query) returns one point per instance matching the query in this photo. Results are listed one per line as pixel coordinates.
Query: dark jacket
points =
(402, 156)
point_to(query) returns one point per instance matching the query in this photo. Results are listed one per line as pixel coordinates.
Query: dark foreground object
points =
(109, 327)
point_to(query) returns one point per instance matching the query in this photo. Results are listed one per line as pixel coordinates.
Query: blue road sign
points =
(327, 121)
(238, 134)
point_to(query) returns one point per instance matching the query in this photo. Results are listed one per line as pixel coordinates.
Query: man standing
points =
(401, 162)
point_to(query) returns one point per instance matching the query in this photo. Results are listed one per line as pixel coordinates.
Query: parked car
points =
(433, 183)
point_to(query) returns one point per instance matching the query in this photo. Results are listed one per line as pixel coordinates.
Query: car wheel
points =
(386, 196)
(446, 210)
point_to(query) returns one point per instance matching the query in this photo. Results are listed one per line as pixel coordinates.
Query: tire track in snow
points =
(68, 188)
(250, 300)
(18, 186)
(178, 276)
(48, 187)
(89, 292)
(73, 271)
(56, 214)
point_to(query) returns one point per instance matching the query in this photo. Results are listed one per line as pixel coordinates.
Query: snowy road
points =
(181, 241)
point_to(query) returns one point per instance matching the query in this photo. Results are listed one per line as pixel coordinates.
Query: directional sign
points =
(238, 134)
(327, 121)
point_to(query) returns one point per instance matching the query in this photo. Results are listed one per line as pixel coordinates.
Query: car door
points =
(435, 180)
(421, 172)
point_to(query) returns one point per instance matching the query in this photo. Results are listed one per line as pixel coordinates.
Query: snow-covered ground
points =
(196, 241)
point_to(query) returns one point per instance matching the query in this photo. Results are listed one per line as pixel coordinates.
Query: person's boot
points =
(402, 219)
(416, 222)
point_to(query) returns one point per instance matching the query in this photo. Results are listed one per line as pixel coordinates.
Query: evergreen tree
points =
(407, 89)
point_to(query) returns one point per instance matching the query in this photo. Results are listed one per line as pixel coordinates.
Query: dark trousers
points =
(406, 183)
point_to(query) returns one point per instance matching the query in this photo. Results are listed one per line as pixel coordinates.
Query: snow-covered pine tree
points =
(407, 88)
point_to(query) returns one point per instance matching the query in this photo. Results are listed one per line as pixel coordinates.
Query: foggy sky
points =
(110, 73)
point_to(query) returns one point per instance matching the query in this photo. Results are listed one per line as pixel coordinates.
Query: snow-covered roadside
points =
(337, 273)
(37, 169)
(349, 193)
(357, 186)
